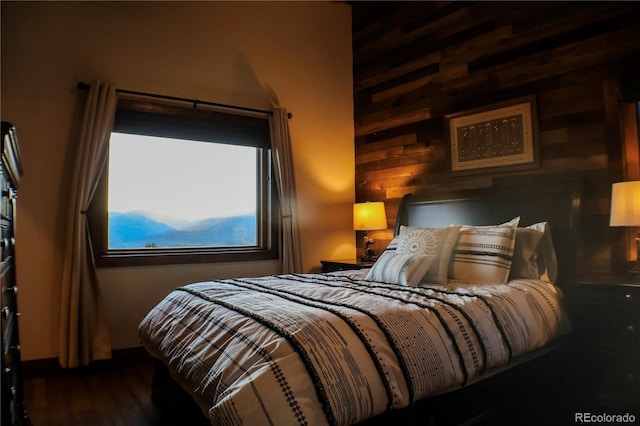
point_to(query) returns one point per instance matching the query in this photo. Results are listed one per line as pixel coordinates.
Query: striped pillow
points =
(483, 254)
(400, 268)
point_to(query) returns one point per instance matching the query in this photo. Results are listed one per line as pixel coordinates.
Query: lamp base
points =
(634, 272)
(369, 255)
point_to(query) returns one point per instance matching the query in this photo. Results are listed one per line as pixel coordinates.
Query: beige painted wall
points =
(295, 54)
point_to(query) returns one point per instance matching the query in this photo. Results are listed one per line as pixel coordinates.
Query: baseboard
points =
(51, 367)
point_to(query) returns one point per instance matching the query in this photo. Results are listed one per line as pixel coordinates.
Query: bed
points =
(469, 287)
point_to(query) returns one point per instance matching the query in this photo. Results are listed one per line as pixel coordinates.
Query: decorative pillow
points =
(418, 241)
(437, 242)
(408, 249)
(483, 254)
(400, 268)
(534, 256)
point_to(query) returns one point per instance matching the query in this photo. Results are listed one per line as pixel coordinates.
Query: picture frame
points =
(495, 138)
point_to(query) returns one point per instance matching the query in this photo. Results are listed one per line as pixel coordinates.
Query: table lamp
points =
(625, 211)
(369, 216)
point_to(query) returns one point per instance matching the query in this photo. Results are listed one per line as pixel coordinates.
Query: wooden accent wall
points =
(415, 62)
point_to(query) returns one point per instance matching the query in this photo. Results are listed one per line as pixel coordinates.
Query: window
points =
(184, 185)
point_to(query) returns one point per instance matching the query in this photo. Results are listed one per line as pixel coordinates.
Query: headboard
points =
(557, 203)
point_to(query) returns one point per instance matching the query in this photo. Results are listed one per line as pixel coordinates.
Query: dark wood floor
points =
(106, 394)
(118, 392)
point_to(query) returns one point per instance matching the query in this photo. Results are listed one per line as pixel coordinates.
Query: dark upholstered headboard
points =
(557, 203)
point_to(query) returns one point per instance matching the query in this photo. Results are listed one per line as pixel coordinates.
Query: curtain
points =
(84, 335)
(290, 253)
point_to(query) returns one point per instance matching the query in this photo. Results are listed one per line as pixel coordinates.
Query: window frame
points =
(248, 127)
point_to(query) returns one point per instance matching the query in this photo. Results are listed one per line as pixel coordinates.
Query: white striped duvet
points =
(336, 349)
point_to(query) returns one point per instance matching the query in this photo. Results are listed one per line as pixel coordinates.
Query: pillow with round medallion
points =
(408, 260)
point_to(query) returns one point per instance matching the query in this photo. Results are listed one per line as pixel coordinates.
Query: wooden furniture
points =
(13, 410)
(605, 311)
(344, 264)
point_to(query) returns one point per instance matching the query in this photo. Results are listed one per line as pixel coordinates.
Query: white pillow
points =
(483, 254)
(400, 268)
(440, 245)
(534, 256)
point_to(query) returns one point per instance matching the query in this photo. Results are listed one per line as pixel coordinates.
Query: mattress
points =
(334, 348)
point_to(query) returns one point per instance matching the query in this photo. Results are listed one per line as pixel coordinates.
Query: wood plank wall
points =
(415, 62)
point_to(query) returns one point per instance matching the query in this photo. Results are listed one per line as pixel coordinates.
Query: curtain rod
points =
(84, 86)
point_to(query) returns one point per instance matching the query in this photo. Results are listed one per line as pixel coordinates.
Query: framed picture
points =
(497, 137)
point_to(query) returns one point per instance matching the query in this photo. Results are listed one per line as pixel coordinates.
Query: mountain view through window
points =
(170, 193)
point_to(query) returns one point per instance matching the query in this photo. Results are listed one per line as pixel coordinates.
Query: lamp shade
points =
(625, 204)
(369, 216)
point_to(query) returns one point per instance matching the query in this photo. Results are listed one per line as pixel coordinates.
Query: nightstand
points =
(605, 312)
(344, 264)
